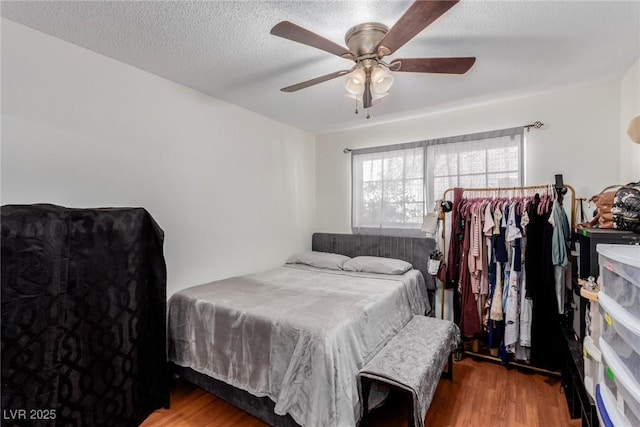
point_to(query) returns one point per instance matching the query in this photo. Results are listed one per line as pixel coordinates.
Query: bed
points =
(286, 345)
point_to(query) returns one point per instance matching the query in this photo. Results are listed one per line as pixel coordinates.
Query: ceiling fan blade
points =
(415, 19)
(433, 65)
(315, 81)
(290, 31)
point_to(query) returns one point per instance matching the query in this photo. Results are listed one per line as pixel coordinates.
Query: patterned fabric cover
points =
(83, 316)
(414, 359)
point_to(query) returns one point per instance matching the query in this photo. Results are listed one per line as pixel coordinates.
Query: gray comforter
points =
(296, 334)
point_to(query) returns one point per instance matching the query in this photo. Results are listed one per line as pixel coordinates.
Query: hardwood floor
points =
(481, 394)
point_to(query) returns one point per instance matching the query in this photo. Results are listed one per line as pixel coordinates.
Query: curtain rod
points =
(536, 125)
(489, 189)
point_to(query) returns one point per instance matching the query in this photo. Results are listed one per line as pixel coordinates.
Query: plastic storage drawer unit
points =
(620, 275)
(618, 381)
(608, 414)
(592, 360)
(621, 332)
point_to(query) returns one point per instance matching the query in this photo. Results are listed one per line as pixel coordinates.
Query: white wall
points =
(579, 139)
(629, 108)
(234, 191)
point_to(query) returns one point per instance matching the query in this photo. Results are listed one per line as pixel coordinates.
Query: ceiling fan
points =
(368, 43)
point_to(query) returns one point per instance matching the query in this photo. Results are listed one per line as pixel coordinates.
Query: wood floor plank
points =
(481, 394)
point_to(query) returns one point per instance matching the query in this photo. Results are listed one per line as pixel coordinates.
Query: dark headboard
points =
(415, 250)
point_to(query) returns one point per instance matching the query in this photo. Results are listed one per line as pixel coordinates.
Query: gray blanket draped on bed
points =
(296, 334)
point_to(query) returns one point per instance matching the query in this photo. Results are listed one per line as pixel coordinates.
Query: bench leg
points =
(412, 422)
(366, 388)
(449, 372)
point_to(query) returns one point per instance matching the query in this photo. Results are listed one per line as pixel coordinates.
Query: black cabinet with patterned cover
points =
(83, 316)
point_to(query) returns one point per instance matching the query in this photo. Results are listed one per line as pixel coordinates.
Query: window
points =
(393, 185)
(388, 191)
(489, 162)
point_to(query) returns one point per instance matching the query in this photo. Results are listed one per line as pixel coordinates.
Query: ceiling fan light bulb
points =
(354, 83)
(376, 96)
(353, 88)
(381, 80)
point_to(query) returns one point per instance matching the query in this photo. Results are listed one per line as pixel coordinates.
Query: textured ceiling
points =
(224, 48)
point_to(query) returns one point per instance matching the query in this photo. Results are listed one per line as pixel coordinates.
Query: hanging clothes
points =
(496, 312)
(512, 309)
(545, 327)
(455, 241)
(502, 263)
(474, 257)
(455, 252)
(486, 235)
(523, 350)
(560, 249)
(470, 325)
(499, 256)
(526, 305)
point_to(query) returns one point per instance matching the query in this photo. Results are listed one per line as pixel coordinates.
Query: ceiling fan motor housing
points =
(363, 39)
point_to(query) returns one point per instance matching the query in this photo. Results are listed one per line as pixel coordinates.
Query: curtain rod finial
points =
(346, 150)
(536, 124)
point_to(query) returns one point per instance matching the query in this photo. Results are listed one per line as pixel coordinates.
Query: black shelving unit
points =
(589, 238)
(580, 403)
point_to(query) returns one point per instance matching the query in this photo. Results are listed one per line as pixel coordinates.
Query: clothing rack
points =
(515, 192)
(509, 192)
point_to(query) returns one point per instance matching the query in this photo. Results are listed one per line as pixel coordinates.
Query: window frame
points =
(387, 228)
(431, 176)
(428, 176)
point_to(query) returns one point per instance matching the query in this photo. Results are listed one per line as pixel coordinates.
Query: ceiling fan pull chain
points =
(356, 104)
(368, 115)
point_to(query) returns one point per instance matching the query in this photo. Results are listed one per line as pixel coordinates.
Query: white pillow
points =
(374, 264)
(319, 260)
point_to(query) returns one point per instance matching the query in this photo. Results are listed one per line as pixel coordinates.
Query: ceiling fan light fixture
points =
(376, 96)
(368, 43)
(354, 83)
(381, 80)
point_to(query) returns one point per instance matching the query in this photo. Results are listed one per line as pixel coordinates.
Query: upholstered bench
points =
(413, 361)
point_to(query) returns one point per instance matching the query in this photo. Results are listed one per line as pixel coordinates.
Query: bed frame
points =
(414, 250)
